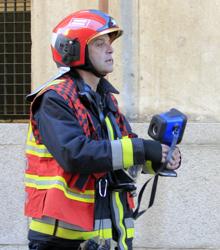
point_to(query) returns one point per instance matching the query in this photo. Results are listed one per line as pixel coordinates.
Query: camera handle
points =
(166, 172)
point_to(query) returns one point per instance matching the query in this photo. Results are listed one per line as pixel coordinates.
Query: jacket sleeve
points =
(73, 150)
(149, 167)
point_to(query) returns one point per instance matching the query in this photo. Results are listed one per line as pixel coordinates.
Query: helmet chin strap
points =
(88, 66)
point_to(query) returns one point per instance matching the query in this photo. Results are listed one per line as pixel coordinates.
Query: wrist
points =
(152, 151)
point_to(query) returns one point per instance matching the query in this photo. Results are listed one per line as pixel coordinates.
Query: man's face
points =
(100, 54)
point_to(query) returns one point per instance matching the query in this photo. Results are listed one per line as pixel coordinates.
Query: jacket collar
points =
(105, 87)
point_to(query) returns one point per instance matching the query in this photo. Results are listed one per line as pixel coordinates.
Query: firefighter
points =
(80, 146)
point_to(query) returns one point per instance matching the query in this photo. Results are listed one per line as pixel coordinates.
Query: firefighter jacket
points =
(75, 139)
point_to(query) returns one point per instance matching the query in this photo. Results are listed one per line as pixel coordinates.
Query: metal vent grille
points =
(15, 58)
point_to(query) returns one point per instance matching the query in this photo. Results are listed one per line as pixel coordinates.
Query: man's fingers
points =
(174, 162)
(165, 150)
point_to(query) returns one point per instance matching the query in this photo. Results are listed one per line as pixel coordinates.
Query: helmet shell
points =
(74, 32)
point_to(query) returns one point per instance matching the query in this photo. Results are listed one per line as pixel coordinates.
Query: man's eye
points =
(99, 44)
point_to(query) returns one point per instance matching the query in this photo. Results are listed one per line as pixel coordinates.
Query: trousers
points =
(40, 245)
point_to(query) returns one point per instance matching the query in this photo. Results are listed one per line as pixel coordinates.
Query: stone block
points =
(13, 247)
(13, 133)
(186, 213)
(13, 226)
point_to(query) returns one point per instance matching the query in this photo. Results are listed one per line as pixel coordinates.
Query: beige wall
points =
(169, 55)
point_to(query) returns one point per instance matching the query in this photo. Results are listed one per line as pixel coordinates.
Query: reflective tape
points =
(103, 223)
(58, 182)
(117, 154)
(42, 226)
(148, 168)
(122, 150)
(35, 149)
(127, 149)
(109, 128)
(118, 212)
(129, 223)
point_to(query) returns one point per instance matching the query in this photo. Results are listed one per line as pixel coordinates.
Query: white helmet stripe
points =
(54, 38)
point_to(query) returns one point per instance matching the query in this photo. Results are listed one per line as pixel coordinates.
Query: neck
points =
(89, 78)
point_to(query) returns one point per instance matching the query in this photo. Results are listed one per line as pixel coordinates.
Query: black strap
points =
(153, 191)
(136, 213)
(81, 181)
(55, 227)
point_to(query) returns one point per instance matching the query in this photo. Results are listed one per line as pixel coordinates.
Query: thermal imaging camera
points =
(168, 128)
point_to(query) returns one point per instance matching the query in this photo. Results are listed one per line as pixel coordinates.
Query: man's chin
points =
(105, 72)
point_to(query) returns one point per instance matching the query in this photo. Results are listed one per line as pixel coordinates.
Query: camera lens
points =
(154, 129)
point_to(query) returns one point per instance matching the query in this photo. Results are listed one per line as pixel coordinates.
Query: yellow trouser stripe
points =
(121, 216)
(74, 234)
(67, 233)
(130, 232)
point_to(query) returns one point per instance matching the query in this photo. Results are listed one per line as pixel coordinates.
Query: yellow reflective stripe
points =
(121, 217)
(32, 152)
(110, 128)
(29, 132)
(68, 233)
(60, 178)
(130, 232)
(149, 168)
(35, 149)
(34, 144)
(55, 82)
(125, 136)
(58, 182)
(127, 149)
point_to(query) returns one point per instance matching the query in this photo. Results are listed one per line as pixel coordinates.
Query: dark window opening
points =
(15, 58)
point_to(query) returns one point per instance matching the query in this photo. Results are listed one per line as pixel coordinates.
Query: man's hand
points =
(175, 160)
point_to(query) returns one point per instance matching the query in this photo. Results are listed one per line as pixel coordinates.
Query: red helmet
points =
(74, 32)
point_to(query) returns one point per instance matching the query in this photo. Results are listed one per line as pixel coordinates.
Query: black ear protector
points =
(88, 66)
(69, 49)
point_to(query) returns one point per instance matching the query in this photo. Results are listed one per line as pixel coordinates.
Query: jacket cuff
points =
(127, 152)
(122, 153)
(138, 151)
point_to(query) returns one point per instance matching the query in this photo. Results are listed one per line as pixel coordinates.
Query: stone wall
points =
(186, 213)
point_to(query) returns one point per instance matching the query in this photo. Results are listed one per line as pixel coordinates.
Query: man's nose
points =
(110, 49)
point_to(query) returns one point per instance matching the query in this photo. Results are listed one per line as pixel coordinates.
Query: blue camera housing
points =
(165, 126)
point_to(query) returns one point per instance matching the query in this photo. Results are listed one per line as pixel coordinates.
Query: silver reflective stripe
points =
(99, 224)
(117, 154)
(37, 149)
(42, 184)
(103, 224)
(118, 220)
(62, 224)
(129, 223)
